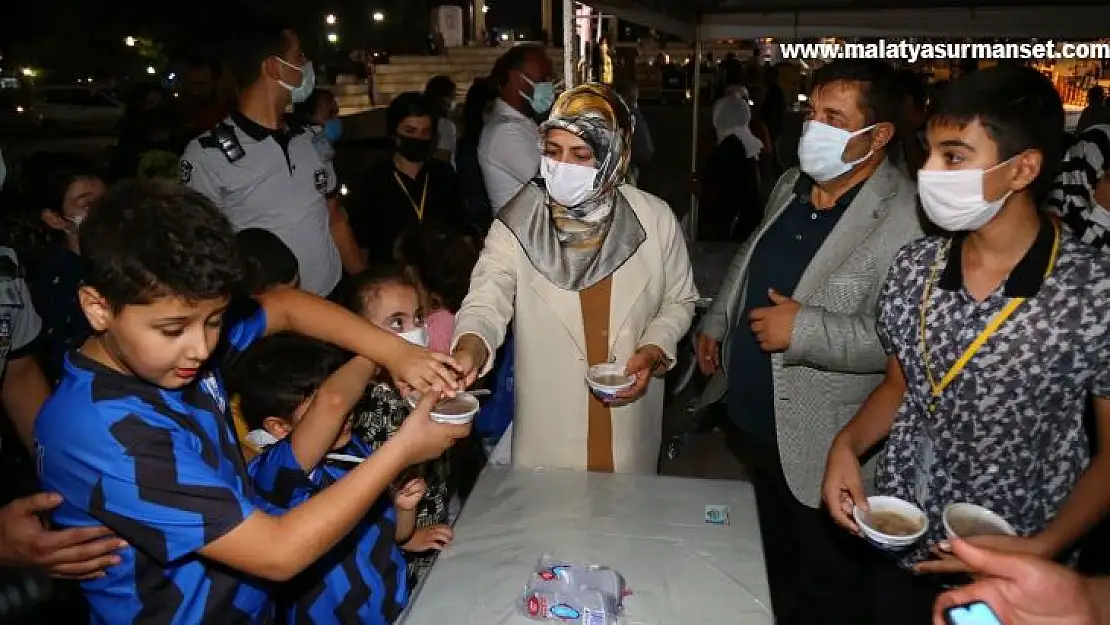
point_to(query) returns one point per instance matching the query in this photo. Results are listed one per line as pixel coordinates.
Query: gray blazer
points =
(835, 359)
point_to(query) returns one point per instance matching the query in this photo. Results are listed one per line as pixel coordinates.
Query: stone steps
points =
(411, 73)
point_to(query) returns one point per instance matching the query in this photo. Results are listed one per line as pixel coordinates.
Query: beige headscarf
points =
(578, 247)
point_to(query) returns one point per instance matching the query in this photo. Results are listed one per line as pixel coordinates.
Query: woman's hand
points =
(470, 356)
(431, 538)
(645, 363)
(419, 369)
(842, 489)
(1020, 589)
(709, 354)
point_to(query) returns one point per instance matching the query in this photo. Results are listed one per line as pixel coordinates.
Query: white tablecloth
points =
(652, 529)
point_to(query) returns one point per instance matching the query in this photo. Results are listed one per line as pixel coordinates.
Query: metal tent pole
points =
(692, 222)
(569, 26)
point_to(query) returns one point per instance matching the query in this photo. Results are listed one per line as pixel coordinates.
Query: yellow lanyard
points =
(419, 208)
(992, 327)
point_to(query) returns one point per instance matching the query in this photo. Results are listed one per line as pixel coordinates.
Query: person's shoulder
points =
(276, 456)
(788, 179)
(85, 407)
(920, 252)
(440, 169)
(208, 142)
(654, 213)
(504, 130)
(646, 204)
(1083, 263)
(301, 132)
(379, 173)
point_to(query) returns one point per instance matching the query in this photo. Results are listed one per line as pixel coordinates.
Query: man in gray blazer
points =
(791, 335)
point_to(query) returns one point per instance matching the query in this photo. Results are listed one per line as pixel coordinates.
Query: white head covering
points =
(732, 116)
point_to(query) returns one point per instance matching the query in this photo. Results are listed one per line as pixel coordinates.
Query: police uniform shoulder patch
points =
(186, 173)
(320, 179)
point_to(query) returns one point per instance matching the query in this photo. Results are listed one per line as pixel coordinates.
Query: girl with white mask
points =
(388, 298)
(61, 187)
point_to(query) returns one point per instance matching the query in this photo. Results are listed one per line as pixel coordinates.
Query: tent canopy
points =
(745, 19)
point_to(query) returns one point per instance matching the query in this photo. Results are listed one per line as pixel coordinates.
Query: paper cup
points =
(966, 520)
(880, 525)
(606, 380)
(458, 410)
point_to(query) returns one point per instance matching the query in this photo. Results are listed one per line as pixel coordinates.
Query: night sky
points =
(63, 32)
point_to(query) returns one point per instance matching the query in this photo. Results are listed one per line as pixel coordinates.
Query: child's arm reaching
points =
(315, 317)
(328, 412)
(308, 531)
(405, 499)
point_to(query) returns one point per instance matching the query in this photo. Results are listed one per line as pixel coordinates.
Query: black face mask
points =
(414, 150)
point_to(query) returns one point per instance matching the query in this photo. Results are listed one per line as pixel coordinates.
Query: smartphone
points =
(978, 613)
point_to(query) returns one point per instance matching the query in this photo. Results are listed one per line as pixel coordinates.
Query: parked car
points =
(77, 109)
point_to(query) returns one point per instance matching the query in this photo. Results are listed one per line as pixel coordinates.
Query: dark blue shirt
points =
(363, 579)
(161, 469)
(778, 262)
(54, 292)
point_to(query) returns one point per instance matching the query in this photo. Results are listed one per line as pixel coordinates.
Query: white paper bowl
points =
(607, 391)
(892, 504)
(978, 514)
(465, 400)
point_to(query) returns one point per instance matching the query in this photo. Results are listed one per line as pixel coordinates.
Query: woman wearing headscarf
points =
(1081, 194)
(589, 270)
(731, 205)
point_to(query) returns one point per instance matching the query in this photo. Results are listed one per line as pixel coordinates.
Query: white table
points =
(651, 529)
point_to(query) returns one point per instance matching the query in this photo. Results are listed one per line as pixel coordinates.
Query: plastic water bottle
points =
(601, 578)
(556, 601)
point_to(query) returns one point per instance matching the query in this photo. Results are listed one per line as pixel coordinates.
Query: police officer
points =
(266, 174)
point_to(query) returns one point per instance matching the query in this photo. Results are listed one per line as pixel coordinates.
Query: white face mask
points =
(567, 183)
(953, 199)
(261, 439)
(416, 336)
(822, 147)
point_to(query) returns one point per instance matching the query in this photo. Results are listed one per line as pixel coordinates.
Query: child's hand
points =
(408, 496)
(431, 538)
(422, 439)
(419, 369)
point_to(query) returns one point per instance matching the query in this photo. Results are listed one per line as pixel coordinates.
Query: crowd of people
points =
(956, 358)
(204, 368)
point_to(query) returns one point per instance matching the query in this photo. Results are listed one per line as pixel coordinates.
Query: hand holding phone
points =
(1015, 589)
(977, 613)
